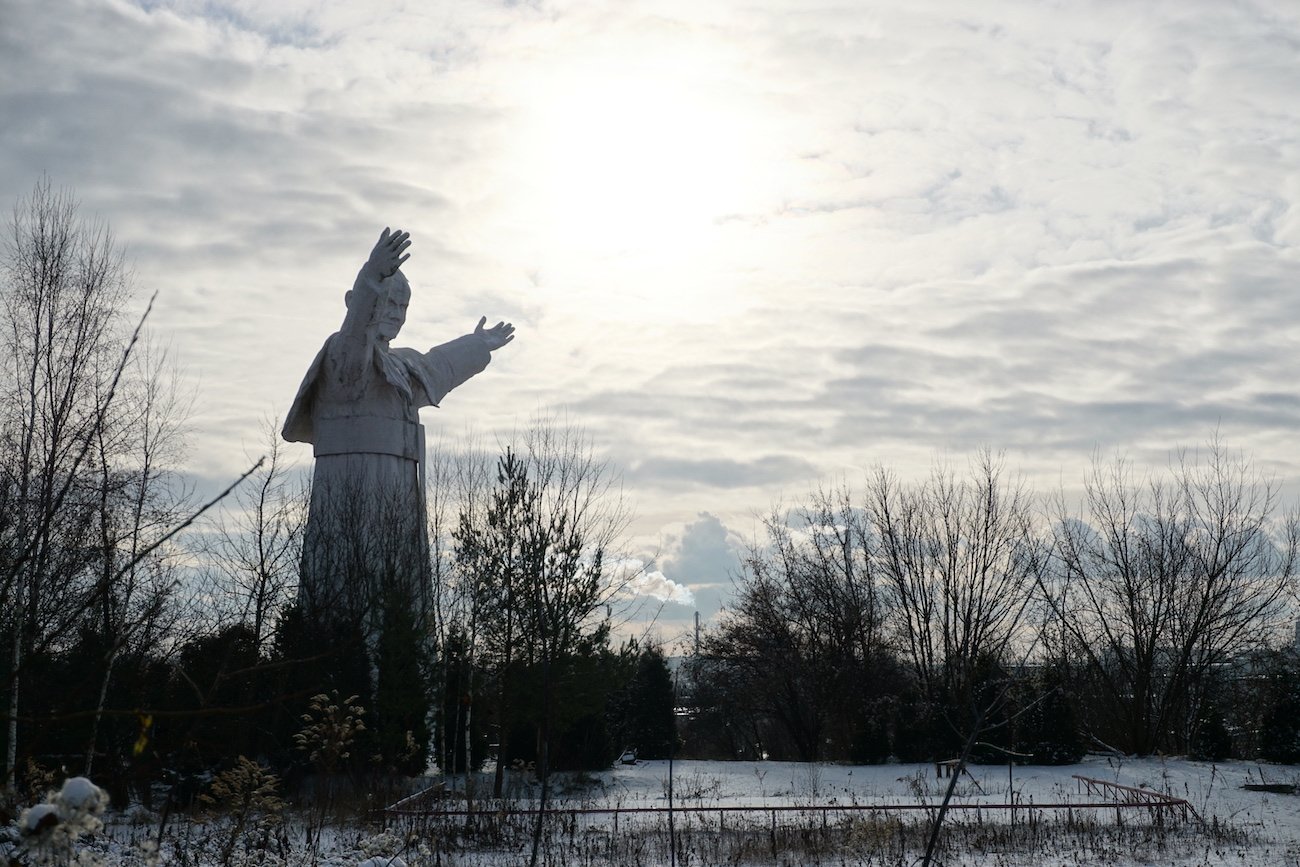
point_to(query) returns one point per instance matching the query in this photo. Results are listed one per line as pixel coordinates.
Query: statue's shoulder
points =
(297, 424)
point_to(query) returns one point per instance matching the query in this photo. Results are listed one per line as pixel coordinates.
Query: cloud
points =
(763, 471)
(657, 586)
(1042, 228)
(690, 575)
(704, 552)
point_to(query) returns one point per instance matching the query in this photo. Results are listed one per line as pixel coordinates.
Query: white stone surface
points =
(358, 406)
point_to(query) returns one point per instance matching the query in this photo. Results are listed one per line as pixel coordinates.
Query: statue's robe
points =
(358, 406)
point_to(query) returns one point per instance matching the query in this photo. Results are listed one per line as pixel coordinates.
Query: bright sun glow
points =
(633, 164)
(631, 172)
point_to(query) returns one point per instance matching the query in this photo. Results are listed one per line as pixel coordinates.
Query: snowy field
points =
(1239, 827)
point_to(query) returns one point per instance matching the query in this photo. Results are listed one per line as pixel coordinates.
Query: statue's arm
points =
(448, 365)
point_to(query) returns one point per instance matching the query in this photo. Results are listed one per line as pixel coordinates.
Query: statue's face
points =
(392, 315)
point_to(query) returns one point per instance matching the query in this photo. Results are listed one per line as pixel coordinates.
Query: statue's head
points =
(390, 312)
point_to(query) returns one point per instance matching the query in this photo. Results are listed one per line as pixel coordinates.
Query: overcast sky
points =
(745, 245)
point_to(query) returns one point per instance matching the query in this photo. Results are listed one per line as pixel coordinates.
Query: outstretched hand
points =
(387, 256)
(495, 337)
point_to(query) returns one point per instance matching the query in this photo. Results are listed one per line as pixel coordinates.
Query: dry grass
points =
(857, 839)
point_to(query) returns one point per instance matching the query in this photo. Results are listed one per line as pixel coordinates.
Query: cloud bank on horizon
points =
(746, 245)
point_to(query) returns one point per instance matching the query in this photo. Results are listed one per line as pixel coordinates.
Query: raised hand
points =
(387, 256)
(495, 337)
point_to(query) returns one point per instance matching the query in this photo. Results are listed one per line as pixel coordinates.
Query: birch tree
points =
(89, 444)
(64, 284)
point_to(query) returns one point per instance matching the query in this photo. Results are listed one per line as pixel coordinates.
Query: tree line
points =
(1151, 613)
(151, 638)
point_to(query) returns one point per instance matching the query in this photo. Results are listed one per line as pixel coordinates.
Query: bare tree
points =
(1159, 580)
(64, 283)
(89, 427)
(141, 498)
(938, 574)
(803, 641)
(256, 544)
(960, 556)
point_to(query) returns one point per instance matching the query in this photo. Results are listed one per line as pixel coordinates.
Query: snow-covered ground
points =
(1213, 789)
(1241, 827)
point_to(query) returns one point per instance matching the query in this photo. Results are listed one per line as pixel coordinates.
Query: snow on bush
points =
(79, 793)
(50, 830)
(39, 818)
(381, 850)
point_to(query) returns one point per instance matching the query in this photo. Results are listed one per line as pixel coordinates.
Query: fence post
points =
(774, 853)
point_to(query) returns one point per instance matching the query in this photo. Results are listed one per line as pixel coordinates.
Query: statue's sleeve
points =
(444, 367)
(298, 426)
(352, 348)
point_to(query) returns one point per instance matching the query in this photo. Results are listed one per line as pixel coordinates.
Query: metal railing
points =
(1131, 796)
(1103, 795)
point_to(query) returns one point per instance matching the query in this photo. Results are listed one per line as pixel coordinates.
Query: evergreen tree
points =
(402, 702)
(650, 724)
(458, 719)
(870, 734)
(1211, 741)
(1280, 729)
(920, 734)
(319, 659)
(1049, 728)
